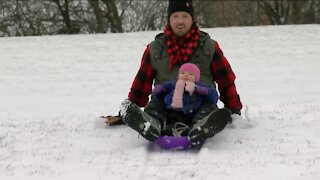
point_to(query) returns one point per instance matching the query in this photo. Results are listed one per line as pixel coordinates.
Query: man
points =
(181, 42)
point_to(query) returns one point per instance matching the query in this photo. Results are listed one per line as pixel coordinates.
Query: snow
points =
(54, 88)
(146, 127)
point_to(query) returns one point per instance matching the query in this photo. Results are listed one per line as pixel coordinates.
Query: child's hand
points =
(190, 87)
(158, 89)
(202, 90)
(180, 84)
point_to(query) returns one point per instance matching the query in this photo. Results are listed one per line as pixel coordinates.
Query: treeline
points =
(48, 17)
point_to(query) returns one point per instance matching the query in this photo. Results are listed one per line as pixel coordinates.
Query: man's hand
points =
(235, 111)
(112, 120)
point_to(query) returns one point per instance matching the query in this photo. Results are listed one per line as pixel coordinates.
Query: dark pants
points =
(157, 109)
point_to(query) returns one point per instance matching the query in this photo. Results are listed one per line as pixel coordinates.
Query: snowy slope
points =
(53, 88)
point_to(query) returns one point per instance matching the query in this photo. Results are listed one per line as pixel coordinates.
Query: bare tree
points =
(291, 11)
(306, 11)
(64, 10)
(113, 17)
(21, 18)
(217, 13)
(99, 16)
(145, 15)
(5, 17)
(34, 17)
(276, 10)
(317, 11)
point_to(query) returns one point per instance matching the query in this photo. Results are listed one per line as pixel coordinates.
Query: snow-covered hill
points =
(54, 88)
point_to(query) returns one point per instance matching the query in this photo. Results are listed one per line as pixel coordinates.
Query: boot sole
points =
(204, 129)
(137, 122)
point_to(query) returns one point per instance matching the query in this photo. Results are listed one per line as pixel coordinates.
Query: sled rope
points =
(177, 131)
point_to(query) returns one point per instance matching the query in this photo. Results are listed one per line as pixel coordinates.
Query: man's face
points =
(180, 23)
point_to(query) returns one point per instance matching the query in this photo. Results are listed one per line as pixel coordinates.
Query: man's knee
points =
(157, 109)
(203, 111)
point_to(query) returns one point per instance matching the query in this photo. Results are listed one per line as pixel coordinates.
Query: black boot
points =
(140, 121)
(209, 125)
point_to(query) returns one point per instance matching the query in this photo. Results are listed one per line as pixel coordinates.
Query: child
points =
(185, 96)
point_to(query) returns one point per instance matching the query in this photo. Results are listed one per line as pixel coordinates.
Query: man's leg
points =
(145, 124)
(148, 122)
(157, 110)
(208, 121)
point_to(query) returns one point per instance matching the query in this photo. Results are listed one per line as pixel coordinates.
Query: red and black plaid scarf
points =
(181, 48)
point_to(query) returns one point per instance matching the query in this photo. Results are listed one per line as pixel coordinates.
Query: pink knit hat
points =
(192, 68)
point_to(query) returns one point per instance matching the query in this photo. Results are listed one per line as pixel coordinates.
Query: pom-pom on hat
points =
(192, 68)
(180, 5)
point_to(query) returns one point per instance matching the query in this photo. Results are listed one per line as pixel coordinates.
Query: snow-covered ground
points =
(54, 88)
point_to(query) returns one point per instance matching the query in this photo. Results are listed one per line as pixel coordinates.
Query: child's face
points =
(187, 76)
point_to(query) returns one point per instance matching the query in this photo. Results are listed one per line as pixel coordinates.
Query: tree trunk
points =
(296, 12)
(276, 10)
(113, 16)
(66, 18)
(98, 15)
(272, 16)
